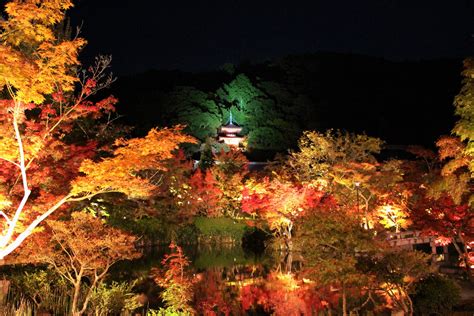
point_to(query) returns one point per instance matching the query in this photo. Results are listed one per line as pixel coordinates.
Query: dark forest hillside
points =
(401, 102)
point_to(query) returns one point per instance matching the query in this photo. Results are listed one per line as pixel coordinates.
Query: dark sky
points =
(201, 35)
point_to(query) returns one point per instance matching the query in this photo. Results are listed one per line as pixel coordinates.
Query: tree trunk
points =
(75, 298)
(466, 257)
(288, 240)
(463, 255)
(410, 305)
(401, 297)
(344, 300)
(289, 261)
(77, 292)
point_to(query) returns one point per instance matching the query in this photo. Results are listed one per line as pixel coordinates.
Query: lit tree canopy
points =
(33, 63)
(195, 109)
(85, 248)
(267, 111)
(279, 203)
(40, 169)
(464, 108)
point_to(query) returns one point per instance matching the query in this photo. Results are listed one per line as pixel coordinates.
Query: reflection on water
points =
(230, 281)
(225, 281)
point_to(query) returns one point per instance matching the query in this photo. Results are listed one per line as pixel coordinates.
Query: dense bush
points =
(221, 227)
(44, 287)
(435, 295)
(153, 230)
(114, 299)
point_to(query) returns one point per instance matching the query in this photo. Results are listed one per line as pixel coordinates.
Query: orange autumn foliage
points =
(85, 248)
(279, 203)
(41, 169)
(120, 172)
(33, 62)
(176, 282)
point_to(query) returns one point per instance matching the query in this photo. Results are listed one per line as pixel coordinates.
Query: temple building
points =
(230, 133)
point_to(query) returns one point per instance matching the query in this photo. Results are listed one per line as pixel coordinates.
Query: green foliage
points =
(157, 229)
(150, 226)
(129, 217)
(207, 158)
(167, 312)
(44, 287)
(123, 217)
(332, 243)
(464, 104)
(195, 109)
(267, 111)
(265, 138)
(239, 91)
(221, 227)
(436, 294)
(114, 299)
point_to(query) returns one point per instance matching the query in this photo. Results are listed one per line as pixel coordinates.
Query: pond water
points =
(226, 280)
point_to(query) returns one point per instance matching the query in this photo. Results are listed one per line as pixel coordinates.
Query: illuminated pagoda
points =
(230, 133)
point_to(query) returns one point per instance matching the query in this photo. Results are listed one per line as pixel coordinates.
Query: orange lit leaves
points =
(32, 61)
(279, 202)
(121, 172)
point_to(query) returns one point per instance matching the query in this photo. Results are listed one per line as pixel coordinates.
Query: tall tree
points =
(447, 210)
(177, 283)
(266, 110)
(195, 108)
(332, 242)
(279, 203)
(345, 165)
(464, 108)
(41, 170)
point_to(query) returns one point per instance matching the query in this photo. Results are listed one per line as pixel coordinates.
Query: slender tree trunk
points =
(288, 240)
(410, 305)
(289, 261)
(465, 257)
(75, 298)
(366, 214)
(401, 293)
(463, 254)
(344, 300)
(97, 280)
(77, 291)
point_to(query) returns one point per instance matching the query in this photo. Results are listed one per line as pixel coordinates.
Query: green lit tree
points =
(464, 108)
(195, 109)
(332, 242)
(266, 110)
(344, 164)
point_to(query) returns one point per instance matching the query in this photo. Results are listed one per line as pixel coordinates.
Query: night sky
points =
(202, 35)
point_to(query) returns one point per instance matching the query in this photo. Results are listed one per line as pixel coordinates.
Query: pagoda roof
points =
(230, 122)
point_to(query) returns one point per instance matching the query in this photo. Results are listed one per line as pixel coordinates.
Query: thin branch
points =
(6, 217)
(10, 161)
